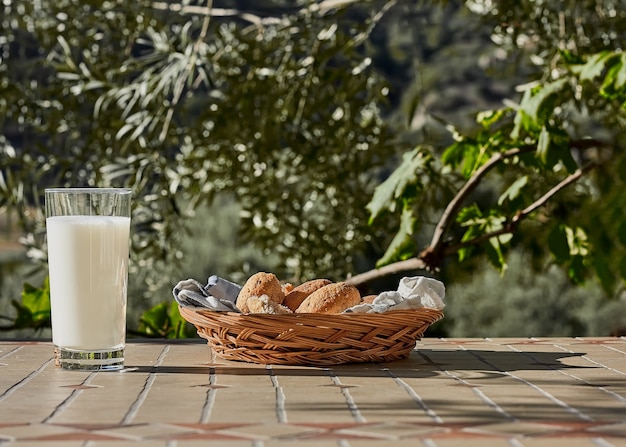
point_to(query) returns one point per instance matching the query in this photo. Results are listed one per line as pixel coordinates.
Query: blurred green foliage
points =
(340, 131)
(33, 311)
(526, 304)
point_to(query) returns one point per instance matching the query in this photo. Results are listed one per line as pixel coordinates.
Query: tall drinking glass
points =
(88, 233)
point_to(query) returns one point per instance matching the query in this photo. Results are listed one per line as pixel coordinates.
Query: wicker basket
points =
(312, 339)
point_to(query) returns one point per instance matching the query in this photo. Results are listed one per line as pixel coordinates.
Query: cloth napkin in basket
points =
(412, 293)
(218, 295)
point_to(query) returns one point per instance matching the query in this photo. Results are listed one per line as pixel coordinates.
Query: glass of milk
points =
(88, 233)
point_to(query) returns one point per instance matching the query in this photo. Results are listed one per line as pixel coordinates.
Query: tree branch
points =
(431, 256)
(386, 270)
(512, 225)
(434, 249)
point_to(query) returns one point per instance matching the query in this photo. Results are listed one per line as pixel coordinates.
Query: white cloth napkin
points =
(218, 295)
(412, 293)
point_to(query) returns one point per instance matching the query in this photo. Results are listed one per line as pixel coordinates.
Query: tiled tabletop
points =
(487, 392)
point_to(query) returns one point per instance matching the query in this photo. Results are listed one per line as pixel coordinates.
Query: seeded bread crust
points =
(299, 293)
(331, 299)
(260, 284)
(264, 305)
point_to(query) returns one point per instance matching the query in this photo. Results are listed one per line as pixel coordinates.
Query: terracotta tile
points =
(34, 431)
(392, 431)
(215, 443)
(519, 429)
(46, 444)
(271, 431)
(127, 443)
(481, 441)
(565, 441)
(614, 442)
(146, 431)
(616, 429)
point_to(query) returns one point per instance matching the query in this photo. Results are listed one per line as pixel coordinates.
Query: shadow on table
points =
(421, 363)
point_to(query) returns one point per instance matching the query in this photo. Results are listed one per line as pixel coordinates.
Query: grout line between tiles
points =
(352, 406)
(601, 442)
(8, 353)
(573, 376)
(537, 388)
(68, 400)
(209, 401)
(25, 380)
(281, 413)
(134, 408)
(478, 392)
(414, 396)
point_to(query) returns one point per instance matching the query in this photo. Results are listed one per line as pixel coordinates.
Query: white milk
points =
(88, 262)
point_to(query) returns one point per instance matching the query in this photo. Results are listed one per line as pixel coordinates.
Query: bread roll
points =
(264, 305)
(368, 299)
(294, 298)
(333, 298)
(287, 287)
(260, 284)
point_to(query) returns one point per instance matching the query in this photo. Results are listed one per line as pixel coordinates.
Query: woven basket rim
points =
(312, 338)
(211, 313)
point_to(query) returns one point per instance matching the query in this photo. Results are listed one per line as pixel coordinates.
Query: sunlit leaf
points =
(514, 190)
(543, 144)
(535, 106)
(403, 245)
(408, 173)
(595, 65)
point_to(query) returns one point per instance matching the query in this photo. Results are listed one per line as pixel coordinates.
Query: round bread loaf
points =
(287, 287)
(333, 298)
(299, 293)
(260, 284)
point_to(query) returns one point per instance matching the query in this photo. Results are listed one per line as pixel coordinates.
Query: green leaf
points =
(33, 311)
(474, 157)
(621, 233)
(164, 320)
(614, 83)
(489, 117)
(595, 65)
(577, 271)
(570, 57)
(543, 144)
(514, 190)
(465, 253)
(155, 320)
(468, 213)
(181, 328)
(408, 173)
(603, 271)
(560, 143)
(453, 154)
(495, 255)
(620, 77)
(557, 243)
(577, 241)
(402, 246)
(535, 106)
